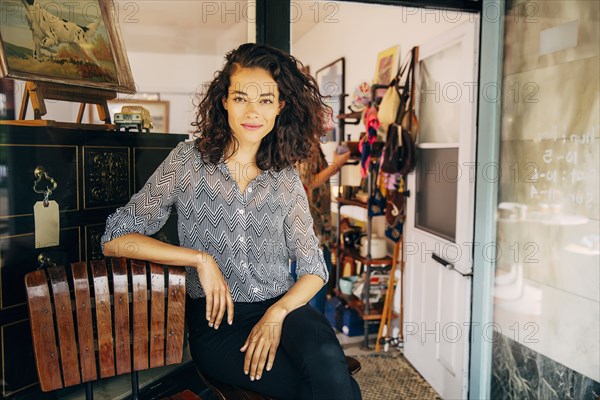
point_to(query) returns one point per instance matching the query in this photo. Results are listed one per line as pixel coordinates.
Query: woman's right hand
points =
(218, 296)
(340, 159)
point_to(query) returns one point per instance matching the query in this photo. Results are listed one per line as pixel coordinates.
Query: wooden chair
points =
(72, 321)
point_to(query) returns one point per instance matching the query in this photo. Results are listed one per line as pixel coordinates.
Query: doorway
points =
(448, 38)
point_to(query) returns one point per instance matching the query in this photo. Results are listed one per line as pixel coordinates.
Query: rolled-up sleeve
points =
(302, 243)
(148, 209)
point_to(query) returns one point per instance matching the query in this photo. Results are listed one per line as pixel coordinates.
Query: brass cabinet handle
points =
(45, 261)
(40, 173)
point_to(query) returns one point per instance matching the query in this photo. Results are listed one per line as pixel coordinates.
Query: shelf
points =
(346, 202)
(356, 304)
(364, 210)
(59, 124)
(386, 261)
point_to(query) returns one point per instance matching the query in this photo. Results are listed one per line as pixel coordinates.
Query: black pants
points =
(309, 363)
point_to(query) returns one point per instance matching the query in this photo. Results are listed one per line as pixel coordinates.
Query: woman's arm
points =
(261, 345)
(128, 230)
(322, 176)
(141, 247)
(303, 290)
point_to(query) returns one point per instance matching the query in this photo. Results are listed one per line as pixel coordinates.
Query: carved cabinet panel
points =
(106, 172)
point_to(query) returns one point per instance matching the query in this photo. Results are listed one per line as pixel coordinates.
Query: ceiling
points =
(193, 26)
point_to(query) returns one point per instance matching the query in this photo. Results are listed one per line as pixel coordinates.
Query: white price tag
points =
(47, 224)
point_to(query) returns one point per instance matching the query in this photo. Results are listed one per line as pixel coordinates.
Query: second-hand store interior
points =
(403, 295)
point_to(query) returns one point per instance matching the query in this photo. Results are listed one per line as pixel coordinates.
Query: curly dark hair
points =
(297, 127)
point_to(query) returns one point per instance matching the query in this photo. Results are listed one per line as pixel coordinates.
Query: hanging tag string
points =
(47, 194)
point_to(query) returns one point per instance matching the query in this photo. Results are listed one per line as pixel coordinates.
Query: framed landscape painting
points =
(66, 42)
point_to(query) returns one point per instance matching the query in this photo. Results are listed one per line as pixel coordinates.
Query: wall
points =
(546, 299)
(177, 78)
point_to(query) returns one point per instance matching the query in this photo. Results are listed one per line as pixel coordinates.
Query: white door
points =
(439, 228)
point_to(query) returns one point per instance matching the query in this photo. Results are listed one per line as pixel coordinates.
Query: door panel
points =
(436, 323)
(439, 226)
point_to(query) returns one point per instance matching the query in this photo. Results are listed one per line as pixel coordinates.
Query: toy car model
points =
(136, 117)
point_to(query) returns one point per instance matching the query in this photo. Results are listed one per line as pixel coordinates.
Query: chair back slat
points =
(65, 326)
(42, 330)
(157, 325)
(93, 349)
(106, 353)
(175, 315)
(121, 309)
(85, 330)
(140, 314)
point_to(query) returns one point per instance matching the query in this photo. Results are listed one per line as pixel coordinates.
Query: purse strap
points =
(405, 90)
(401, 70)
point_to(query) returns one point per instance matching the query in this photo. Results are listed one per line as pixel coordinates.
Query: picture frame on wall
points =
(158, 109)
(48, 41)
(387, 65)
(331, 81)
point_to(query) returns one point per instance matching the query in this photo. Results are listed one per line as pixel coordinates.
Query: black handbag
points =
(399, 150)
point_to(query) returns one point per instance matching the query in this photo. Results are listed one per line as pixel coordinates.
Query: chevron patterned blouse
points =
(251, 235)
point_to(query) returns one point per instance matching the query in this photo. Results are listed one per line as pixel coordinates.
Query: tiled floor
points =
(353, 346)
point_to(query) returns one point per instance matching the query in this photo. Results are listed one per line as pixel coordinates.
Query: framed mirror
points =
(331, 81)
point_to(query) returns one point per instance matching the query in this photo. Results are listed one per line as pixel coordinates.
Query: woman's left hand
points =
(261, 345)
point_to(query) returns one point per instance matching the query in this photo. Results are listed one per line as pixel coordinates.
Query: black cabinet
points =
(96, 172)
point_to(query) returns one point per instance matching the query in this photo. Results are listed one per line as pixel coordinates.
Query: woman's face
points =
(252, 104)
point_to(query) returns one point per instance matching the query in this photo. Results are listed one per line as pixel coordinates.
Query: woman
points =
(242, 214)
(315, 174)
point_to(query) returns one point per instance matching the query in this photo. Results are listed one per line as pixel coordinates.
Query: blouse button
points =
(241, 239)
(249, 190)
(241, 211)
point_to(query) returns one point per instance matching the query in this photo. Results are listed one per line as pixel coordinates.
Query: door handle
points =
(448, 265)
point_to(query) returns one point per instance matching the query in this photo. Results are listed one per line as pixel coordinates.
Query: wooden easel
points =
(385, 325)
(38, 92)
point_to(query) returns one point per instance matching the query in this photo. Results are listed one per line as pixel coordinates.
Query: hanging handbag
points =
(409, 119)
(394, 214)
(391, 101)
(399, 144)
(408, 153)
(376, 203)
